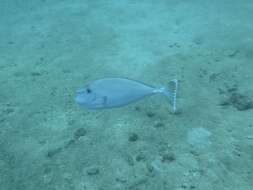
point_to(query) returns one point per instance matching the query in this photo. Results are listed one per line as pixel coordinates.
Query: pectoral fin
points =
(100, 102)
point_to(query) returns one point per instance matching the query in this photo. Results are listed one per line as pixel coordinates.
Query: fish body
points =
(117, 92)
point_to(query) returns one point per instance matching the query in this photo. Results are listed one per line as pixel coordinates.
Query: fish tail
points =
(171, 93)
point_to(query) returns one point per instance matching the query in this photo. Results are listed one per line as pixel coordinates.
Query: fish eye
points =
(88, 90)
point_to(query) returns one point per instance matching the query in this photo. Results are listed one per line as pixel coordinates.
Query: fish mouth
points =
(80, 100)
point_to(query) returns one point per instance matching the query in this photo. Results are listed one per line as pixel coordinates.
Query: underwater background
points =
(50, 48)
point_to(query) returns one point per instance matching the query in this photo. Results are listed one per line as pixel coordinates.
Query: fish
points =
(117, 92)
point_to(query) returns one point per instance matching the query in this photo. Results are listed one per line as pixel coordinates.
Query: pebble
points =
(92, 171)
(150, 114)
(80, 132)
(53, 152)
(168, 157)
(133, 137)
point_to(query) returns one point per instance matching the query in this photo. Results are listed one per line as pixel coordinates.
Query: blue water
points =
(49, 49)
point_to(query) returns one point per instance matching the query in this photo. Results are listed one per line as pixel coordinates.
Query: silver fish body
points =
(117, 92)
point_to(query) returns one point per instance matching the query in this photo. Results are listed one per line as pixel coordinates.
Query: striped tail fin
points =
(170, 92)
(173, 93)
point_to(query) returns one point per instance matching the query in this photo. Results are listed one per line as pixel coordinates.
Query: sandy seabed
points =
(49, 49)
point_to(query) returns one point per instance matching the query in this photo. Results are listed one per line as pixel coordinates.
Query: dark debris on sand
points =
(236, 99)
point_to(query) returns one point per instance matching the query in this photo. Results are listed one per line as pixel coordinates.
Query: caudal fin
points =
(171, 93)
(173, 84)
